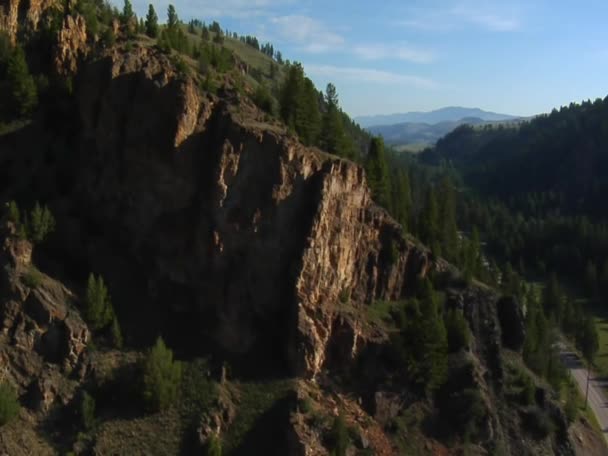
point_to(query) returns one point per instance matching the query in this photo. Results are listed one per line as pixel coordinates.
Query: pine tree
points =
(161, 377)
(332, 138)
(214, 446)
(587, 340)
(116, 334)
(428, 224)
(40, 223)
(98, 310)
(172, 19)
(447, 215)
(23, 95)
(339, 436)
(376, 167)
(401, 197)
(152, 22)
(127, 12)
(591, 280)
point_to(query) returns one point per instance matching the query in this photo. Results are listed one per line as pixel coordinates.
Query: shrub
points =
(537, 422)
(40, 223)
(340, 440)
(263, 99)
(214, 446)
(459, 335)
(116, 334)
(465, 411)
(161, 377)
(571, 407)
(9, 404)
(32, 278)
(87, 411)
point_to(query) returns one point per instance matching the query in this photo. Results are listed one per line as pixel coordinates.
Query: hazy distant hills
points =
(419, 129)
(449, 114)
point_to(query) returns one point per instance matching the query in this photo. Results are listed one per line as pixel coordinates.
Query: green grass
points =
(380, 312)
(32, 278)
(254, 400)
(601, 324)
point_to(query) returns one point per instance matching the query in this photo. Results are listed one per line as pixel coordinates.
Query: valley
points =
(203, 253)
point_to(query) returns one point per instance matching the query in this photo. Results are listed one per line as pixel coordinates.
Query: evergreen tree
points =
(447, 215)
(428, 224)
(424, 341)
(587, 340)
(97, 306)
(127, 12)
(457, 329)
(401, 198)
(298, 106)
(332, 131)
(23, 96)
(152, 22)
(214, 446)
(87, 411)
(172, 19)
(161, 377)
(116, 334)
(591, 280)
(40, 223)
(553, 299)
(339, 436)
(377, 172)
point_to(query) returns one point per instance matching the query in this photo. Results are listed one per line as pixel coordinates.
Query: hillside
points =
(200, 258)
(424, 134)
(448, 114)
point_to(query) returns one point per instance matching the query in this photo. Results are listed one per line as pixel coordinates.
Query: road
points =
(597, 398)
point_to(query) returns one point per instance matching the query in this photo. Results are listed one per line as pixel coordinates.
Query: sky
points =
(510, 56)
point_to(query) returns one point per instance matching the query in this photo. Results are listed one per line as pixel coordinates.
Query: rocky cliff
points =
(22, 16)
(233, 216)
(217, 229)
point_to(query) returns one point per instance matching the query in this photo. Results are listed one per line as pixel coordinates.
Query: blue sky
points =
(511, 56)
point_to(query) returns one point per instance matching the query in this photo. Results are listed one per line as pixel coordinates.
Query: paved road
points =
(597, 398)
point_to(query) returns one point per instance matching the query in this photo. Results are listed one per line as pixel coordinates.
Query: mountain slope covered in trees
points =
(200, 253)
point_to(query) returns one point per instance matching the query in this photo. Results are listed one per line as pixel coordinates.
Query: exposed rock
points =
(71, 45)
(386, 406)
(22, 15)
(42, 338)
(274, 231)
(512, 323)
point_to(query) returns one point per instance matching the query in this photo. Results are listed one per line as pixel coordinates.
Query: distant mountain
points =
(449, 114)
(422, 135)
(418, 133)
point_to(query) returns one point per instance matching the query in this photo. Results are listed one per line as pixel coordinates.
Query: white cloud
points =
(488, 20)
(399, 52)
(464, 14)
(369, 75)
(308, 33)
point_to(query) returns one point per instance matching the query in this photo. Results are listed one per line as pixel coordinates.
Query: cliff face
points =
(42, 337)
(22, 15)
(238, 220)
(224, 234)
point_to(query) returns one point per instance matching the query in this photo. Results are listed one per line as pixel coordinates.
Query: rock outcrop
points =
(71, 45)
(241, 222)
(22, 15)
(42, 337)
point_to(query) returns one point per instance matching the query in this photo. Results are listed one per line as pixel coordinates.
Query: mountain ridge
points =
(448, 113)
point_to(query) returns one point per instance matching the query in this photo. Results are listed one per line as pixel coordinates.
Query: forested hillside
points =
(201, 253)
